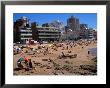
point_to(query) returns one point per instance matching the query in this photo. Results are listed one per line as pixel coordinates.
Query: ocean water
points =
(93, 51)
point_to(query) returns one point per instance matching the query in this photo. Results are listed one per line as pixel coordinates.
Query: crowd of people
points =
(24, 62)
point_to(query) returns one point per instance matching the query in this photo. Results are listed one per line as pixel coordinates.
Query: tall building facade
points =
(92, 34)
(73, 23)
(83, 26)
(84, 31)
(59, 25)
(23, 32)
(45, 32)
(74, 30)
(51, 31)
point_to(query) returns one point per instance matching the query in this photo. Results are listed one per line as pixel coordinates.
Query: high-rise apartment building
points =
(73, 23)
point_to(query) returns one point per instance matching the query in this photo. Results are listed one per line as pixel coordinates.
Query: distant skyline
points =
(41, 18)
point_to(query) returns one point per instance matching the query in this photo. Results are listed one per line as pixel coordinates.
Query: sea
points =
(93, 51)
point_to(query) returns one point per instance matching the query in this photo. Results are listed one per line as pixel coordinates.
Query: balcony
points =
(25, 38)
(48, 37)
(49, 30)
(25, 30)
(26, 34)
(47, 34)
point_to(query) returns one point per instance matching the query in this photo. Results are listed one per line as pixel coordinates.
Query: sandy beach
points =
(64, 58)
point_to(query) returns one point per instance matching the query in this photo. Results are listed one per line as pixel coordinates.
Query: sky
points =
(40, 18)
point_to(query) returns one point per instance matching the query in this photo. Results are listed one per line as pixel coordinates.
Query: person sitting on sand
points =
(63, 54)
(45, 53)
(17, 50)
(19, 63)
(26, 62)
(67, 47)
(71, 46)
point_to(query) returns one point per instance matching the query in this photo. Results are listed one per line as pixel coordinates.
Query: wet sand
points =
(75, 61)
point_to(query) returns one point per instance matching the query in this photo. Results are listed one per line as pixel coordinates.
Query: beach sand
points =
(54, 63)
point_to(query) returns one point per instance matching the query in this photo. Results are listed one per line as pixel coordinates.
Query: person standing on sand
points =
(67, 47)
(30, 64)
(88, 52)
(22, 54)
